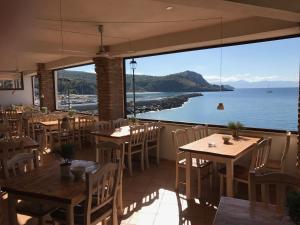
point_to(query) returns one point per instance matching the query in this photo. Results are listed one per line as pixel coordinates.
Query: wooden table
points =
(232, 211)
(118, 136)
(222, 153)
(28, 144)
(46, 185)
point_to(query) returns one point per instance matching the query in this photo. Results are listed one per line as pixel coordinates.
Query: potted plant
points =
(66, 152)
(235, 127)
(132, 120)
(293, 205)
(71, 113)
(44, 110)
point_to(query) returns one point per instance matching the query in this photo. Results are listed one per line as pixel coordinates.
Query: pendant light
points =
(221, 105)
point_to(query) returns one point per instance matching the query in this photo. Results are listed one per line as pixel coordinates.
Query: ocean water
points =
(253, 107)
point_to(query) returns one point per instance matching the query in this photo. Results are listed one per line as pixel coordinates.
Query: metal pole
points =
(133, 89)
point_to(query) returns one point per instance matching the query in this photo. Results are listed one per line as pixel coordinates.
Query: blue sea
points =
(255, 107)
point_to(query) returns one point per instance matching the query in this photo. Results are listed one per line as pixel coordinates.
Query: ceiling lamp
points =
(221, 105)
(169, 8)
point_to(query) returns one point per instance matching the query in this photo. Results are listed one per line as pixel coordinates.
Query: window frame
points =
(54, 71)
(297, 131)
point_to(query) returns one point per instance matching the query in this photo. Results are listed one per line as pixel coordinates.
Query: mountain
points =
(262, 84)
(187, 81)
(80, 82)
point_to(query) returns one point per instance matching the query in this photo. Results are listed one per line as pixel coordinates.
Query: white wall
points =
(278, 142)
(18, 96)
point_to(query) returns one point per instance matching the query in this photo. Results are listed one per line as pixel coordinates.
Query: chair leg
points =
(142, 160)
(115, 216)
(221, 184)
(199, 182)
(41, 221)
(147, 156)
(176, 176)
(129, 163)
(211, 171)
(157, 155)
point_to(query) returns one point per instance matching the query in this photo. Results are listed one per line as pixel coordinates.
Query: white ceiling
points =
(32, 31)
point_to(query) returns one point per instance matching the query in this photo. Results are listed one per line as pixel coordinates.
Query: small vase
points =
(65, 169)
(235, 134)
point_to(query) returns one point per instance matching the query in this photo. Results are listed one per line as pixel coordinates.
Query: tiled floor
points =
(150, 198)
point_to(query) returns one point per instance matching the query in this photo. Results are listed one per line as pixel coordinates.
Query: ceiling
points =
(64, 32)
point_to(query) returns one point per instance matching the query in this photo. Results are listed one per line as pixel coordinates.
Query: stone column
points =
(110, 87)
(47, 87)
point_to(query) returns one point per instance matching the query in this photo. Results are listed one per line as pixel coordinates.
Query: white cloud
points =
(246, 77)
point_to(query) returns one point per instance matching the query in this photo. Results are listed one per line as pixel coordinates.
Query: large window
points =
(259, 85)
(76, 89)
(35, 90)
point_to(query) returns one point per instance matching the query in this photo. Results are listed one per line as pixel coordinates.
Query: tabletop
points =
(233, 149)
(233, 211)
(114, 133)
(46, 183)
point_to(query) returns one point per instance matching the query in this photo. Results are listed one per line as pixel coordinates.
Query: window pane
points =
(36, 90)
(77, 89)
(259, 85)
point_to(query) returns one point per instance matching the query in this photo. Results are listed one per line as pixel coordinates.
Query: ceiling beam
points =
(262, 8)
(234, 31)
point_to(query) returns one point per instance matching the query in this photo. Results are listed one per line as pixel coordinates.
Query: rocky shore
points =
(160, 104)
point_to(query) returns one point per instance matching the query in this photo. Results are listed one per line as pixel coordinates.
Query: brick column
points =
(110, 86)
(47, 90)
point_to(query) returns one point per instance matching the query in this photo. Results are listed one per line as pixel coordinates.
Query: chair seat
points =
(60, 215)
(198, 163)
(33, 209)
(240, 172)
(274, 164)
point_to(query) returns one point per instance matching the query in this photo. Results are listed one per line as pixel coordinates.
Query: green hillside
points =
(187, 81)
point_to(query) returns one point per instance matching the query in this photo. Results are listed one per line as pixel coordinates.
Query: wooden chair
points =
(180, 138)
(119, 123)
(200, 132)
(17, 165)
(4, 129)
(100, 203)
(278, 165)
(136, 145)
(260, 155)
(282, 181)
(102, 125)
(66, 131)
(10, 147)
(152, 141)
(11, 114)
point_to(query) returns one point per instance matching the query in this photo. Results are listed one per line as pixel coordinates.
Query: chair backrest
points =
(200, 131)
(20, 163)
(260, 154)
(119, 122)
(285, 150)
(153, 132)
(102, 125)
(101, 189)
(11, 114)
(137, 135)
(66, 124)
(180, 138)
(282, 181)
(10, 147)
(4, 129)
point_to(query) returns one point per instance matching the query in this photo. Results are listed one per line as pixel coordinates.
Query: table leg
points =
(188, 175)
(120, 192)
(96, 149)
(70, 215)
(229, 178)
(12, 214)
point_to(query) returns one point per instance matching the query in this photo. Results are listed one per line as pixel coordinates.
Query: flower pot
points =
(235, 134)
(65, 169)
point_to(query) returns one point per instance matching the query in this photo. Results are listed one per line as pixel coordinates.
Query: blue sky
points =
(265, 61)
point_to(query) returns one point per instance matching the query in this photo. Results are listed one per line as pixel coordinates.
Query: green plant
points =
(235, 127)
(293, 205)
(71, 113)
(44, 109)
(66, 152)
(132, 120)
